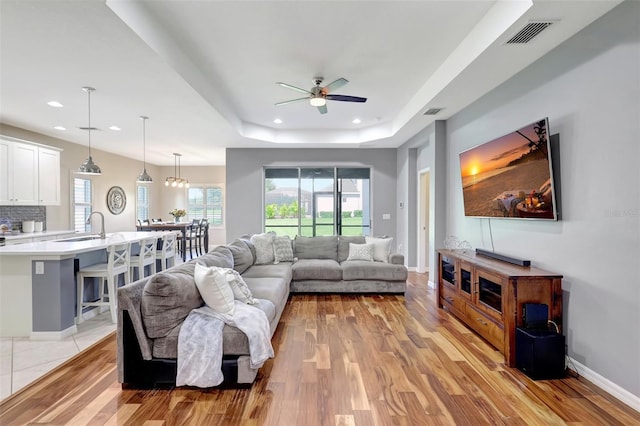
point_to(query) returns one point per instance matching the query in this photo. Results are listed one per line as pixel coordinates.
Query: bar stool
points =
(147, 256)
(118, 256)
(168, 250)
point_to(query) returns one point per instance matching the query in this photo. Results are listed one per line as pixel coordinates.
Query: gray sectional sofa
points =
(152, 310)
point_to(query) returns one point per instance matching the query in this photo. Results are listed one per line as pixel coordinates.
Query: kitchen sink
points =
(84, 238)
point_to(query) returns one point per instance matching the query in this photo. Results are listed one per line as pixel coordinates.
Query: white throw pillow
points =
(214, 288)
(381, 248)
(360, 252)
(282, 249)
(239, 287)
(264, 248)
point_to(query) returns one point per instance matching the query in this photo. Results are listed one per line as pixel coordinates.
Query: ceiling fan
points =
(318, 96)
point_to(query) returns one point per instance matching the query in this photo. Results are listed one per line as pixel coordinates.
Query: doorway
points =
(424, 208)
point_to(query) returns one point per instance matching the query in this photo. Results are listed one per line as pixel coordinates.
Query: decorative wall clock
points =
(116, 200)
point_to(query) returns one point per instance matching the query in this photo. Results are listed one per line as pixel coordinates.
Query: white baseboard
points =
(606, 385)
(431, 284)
(53, 335)
(412, 269)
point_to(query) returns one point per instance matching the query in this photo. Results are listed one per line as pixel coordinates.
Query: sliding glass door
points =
(312, 201)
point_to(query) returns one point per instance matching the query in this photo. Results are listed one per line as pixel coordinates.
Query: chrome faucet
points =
(102, 234)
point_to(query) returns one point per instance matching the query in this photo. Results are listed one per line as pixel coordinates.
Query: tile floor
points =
(23, 360)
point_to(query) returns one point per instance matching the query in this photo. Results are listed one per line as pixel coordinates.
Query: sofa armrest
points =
(396, 258)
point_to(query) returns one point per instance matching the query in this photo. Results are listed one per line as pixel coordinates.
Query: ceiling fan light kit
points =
(318, 96)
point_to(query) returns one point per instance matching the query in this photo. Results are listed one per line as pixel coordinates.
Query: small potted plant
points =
(177, 214)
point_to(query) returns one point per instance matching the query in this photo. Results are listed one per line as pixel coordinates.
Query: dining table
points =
(183, 227)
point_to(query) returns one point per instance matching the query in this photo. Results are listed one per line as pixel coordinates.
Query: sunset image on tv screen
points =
(510, 176)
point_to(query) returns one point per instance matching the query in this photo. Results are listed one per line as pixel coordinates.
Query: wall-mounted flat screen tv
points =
(511, 176)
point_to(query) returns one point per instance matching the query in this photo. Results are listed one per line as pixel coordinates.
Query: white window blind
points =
(82, 205)
(206, 201)
(142, 202)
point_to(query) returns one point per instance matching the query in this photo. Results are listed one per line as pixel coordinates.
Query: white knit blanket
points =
(200, 343)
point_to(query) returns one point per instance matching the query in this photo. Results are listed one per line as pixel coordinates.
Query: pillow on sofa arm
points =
(360, 252)
(381, 248)
(214, 288)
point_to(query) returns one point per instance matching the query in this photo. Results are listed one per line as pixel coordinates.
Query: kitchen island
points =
(38, 283)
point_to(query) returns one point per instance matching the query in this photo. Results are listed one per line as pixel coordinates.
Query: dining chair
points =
(146, 257)
(168, 250)
(193, 236)
(118, 257)
(204, 236)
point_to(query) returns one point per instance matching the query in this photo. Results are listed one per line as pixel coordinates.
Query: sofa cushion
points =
(322, 247)
(234, 341)
(316, 269)
(281, 270)
(282, 249)
(343, 245)
(363, 270)
(214, 288)
(381, 248)
(220, 256)
(273, 289)
(242, 256)
(167, 299)
(264, 247)
(361, 252)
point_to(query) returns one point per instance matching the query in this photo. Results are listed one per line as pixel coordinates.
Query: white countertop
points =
(23, 235)
(66, 248)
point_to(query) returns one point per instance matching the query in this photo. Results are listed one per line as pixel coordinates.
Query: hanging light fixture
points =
(144, 176)
(176, 180)
(89, 167)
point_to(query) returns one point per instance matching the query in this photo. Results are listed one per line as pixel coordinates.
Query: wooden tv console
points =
(488, 295)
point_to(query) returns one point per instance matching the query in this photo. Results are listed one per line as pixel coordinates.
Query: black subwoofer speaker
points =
(540, 353)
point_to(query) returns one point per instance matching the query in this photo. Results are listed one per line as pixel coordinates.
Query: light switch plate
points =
(386, 216)
(39, 268)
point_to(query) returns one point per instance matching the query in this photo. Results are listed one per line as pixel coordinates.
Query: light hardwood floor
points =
(340, 360)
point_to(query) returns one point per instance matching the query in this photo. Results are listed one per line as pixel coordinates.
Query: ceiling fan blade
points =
(322, 109)
(297, 89)
(334, 85)
(345, 98)
(292, 101)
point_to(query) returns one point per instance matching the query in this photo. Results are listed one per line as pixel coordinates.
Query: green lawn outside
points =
(290, 226)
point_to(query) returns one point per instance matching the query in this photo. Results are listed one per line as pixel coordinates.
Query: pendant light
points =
(176, 180)
(89, 167)
(144, 176)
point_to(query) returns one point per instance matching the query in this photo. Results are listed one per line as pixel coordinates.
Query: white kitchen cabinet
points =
(29, 174)
(49, 176)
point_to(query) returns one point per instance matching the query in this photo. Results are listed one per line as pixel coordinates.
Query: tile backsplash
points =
(14, 215)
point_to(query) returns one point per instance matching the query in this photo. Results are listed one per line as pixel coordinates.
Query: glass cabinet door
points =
(466, 282)
(490, 292)
(447, 271)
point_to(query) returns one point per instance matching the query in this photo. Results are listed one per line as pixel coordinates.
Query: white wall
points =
(244, 182)
(589, 87)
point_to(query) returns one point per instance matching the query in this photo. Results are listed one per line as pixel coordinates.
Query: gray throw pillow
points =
(242, 257)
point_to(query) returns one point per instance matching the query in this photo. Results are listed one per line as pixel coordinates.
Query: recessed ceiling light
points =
(55, 104)
(277, 121)
(115, 128)
(356, 121)
(59, 127)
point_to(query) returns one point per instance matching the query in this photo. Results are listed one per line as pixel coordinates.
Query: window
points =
(82, 204)
(317, 201)
(206, 201)
(142, 202)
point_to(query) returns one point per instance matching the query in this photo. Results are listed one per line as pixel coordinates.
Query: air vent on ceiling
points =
(433, 111)
(526, 34)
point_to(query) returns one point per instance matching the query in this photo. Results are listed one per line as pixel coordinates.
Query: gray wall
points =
(589, 87)
(245, 172)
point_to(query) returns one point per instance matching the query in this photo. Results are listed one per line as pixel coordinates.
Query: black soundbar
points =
(503, 257)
